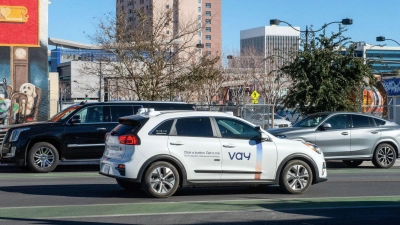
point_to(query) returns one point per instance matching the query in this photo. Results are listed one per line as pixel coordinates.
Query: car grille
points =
(3, 133)
(283, 125)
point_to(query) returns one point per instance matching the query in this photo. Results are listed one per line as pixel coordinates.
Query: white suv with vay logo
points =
(161, 151)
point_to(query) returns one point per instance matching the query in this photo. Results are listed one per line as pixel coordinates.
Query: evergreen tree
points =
(327, 75)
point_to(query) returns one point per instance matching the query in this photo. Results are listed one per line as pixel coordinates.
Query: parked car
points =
(75, 134)
(161, 151)
(347, 136)
(265, 120)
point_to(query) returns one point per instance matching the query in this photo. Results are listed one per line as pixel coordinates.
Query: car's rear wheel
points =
(296, 177)
(352, 163)
(129, 186)
(161, 180)
(42, 157)
(384, 156)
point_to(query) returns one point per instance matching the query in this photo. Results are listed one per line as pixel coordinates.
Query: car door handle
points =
(229, 146)
(374, 132)
(176, 143)
(102, 128)
(345, 133)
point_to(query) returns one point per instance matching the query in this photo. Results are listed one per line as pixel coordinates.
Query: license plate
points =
(106, 169)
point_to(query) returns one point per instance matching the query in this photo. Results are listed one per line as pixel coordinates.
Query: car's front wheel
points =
(352, 163)
(296, 177)
(384, 156)
(42, 157)
(161, 180)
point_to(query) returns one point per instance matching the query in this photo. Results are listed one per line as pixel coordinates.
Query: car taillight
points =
(128, 140)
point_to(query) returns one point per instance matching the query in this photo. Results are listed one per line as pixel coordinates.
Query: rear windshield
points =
(122, 129)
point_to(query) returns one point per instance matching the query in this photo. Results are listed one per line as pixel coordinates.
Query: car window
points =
(379, 122)
(164, 128)
(63, 114)
(231, 128)
(119, 111)
(311, 121)
(277, 117)
(338, 122)
(362, 121)
(194, 127)
(93, 114)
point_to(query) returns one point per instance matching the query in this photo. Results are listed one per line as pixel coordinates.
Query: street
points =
(79, 195)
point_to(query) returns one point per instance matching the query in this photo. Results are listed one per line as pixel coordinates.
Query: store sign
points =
(19, 23)
(392, 86)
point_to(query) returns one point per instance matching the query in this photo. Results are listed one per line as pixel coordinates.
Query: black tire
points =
(161, 180)
(296, 177)
(352, 163)
(129, 186)
(42, 157)
(384, 156)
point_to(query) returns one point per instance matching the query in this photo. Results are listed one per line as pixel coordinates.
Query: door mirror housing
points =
(264, 137)
(326, 126)
(76, 119)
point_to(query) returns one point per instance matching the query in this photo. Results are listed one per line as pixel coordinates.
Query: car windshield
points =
(311, 121)
(63, 114)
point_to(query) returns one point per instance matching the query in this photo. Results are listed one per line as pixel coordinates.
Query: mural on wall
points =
(21, 106)
(23, 61)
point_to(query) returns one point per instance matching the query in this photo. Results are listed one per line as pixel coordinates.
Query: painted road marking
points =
(129, 209)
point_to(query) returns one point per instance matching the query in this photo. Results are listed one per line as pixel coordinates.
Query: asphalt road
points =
(79, 195)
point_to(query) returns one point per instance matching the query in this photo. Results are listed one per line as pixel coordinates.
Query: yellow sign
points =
(15, 14)
(255, 95)
(254, 101)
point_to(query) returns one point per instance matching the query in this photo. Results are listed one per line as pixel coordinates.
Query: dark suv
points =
(75, 134)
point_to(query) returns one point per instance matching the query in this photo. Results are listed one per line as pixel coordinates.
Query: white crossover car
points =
(265, 120)
(162, 151)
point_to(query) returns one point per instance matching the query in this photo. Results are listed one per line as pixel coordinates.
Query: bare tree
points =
(151, 53)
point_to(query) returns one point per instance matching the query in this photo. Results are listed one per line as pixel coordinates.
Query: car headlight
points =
(280, 136)
(313, 147)
(15, 134)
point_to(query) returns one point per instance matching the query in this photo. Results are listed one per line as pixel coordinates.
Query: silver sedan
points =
(347, 136)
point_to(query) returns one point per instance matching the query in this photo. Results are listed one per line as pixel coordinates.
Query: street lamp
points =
(310, 33)
(382, 38)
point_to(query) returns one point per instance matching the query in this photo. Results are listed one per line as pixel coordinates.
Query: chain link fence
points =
(262, 114)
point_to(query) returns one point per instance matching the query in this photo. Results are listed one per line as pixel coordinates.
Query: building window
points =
(141, 1)
(130, 19)
(199, 34)
(121, 1)
(208, 13)
(167, 6)
(199, 1)
(208, 37)
(167, 31)
(122, 8)
(208, 45)
(208, 52)
(199, 9)
(199, 17)
(208, 5)
(208, 21)
(208, 29)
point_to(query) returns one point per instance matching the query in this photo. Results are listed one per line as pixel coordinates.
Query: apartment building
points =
(206, 12)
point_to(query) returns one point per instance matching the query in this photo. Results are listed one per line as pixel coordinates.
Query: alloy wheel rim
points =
(162, 180)
(385, 156)
(297, 177)
(43, 157)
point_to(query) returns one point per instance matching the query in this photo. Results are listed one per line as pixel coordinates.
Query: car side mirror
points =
(76, 119)
(326, 126)
(264, 137)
